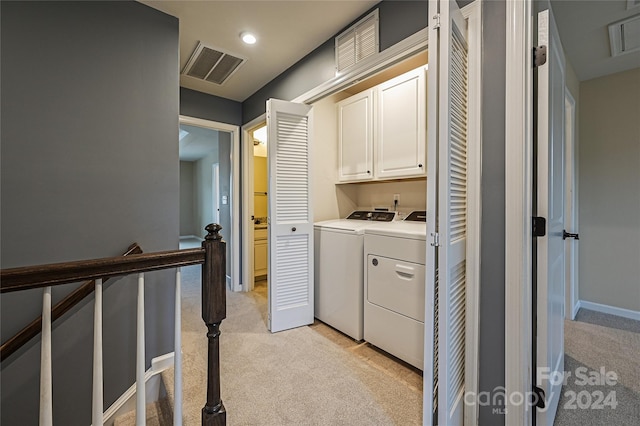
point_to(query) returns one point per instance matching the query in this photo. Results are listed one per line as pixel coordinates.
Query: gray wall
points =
(492, 278)
(89, 165)
(210, 107)
(187, 201)
(609, 204)
(398, 20)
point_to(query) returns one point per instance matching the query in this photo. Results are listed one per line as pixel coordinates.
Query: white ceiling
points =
(583, 27)
(286, 31)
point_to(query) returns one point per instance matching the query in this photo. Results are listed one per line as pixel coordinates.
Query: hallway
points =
(306, 376)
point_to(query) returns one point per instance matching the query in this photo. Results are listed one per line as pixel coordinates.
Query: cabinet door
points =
(401, 126)
(260, 258)
(355, 138)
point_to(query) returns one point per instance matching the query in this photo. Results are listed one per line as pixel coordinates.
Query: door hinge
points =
(538, 397)
(436, 18)
(436, 239)
(539, 56)
(539, 225)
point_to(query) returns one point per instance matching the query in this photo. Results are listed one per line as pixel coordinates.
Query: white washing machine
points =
(338, 274)
(394, 276)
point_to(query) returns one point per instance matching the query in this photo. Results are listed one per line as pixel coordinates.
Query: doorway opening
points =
(260, 241)
(208, 187)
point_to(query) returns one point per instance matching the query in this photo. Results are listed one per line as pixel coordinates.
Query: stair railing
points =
(212, 257)
(14, 343)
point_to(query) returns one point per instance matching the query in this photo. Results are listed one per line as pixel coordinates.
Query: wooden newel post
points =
(214, 310)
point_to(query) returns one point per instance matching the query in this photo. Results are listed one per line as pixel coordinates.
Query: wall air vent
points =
(213, 65)
(624, 36)
(358, 42)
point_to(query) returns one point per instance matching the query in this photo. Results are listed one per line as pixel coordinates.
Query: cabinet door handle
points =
(293, 229)
(420, 165)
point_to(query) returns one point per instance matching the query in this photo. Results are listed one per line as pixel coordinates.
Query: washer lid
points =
(400, 229)
(344, 225)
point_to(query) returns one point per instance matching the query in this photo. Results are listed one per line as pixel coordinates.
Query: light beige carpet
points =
(594, 342)
(305, 376)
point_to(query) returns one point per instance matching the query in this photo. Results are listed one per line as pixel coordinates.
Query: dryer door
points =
(396, 285)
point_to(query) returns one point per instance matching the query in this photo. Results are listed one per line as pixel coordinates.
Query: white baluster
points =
(46, 392)
(140, 357)
(177, 359)
(97, 408)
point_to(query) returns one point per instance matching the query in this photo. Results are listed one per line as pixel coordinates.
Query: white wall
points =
(331, 201)
(203, 191)
(609, 173)
(413, 195)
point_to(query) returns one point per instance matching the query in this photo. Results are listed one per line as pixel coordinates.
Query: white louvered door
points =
(290, 215)
(447, 173)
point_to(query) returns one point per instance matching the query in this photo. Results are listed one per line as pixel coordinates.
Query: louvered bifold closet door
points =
(452, 214)
(290, 215)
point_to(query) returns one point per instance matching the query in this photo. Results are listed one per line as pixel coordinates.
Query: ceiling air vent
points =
(624, 36)
(213, 65)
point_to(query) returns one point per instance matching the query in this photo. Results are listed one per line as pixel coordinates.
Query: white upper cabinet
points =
(382, 131)
(401, 126)
(355, 138)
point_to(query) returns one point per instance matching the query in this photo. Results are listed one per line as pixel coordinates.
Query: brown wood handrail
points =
(72, 299)
(28, 277)
(211, 255)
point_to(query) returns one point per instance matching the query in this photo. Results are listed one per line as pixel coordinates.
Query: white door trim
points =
(571, 208)
(247, 201)
(473, 14)
(215, 184)
(235, 188)
(518, 208)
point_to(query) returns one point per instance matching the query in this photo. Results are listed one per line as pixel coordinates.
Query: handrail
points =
(211, 255)
(72, 299)
(29, 277)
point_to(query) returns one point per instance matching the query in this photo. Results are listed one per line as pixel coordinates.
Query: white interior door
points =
(290, 215)
(550, 205)
(447, 197)
(570, 209)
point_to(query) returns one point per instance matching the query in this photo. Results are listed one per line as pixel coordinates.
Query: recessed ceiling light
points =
(248, 38)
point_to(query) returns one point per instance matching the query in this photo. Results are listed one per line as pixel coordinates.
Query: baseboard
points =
(612, 310)
(188, 237)
(576, 308)
(127, 401)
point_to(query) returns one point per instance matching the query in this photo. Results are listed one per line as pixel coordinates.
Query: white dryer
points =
(394, 276)
(338, 274)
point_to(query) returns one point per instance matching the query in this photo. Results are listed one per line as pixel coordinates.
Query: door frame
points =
(248, 235)
(518, 209)
(571, 207)
(235, 188)
(215, 184)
